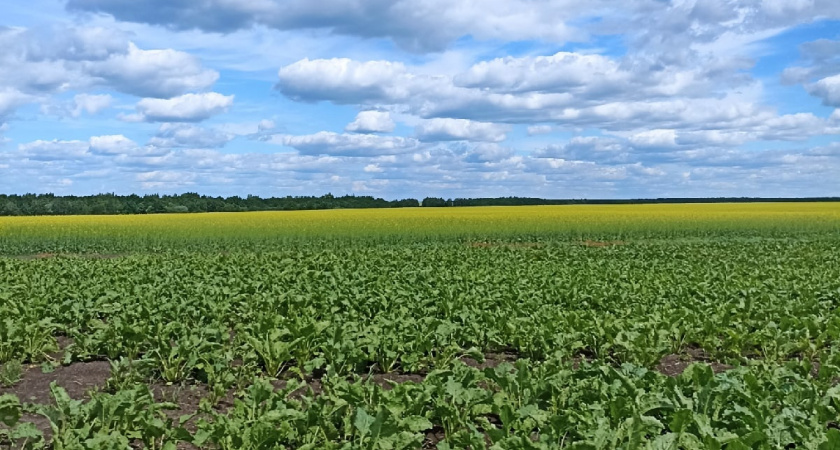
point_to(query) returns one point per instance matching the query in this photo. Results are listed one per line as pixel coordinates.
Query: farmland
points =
(585, 327)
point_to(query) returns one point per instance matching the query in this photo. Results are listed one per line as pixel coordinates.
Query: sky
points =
(417, 98)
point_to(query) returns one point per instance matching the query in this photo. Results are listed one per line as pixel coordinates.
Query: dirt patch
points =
(588, 243)
(675, 364)
(384, 380)
(188, 398)
(433, 437)
(77, 379)
(491, 360)
(313, 383)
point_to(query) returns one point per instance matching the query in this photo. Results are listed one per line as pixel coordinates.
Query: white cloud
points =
(57, 60)
(165, 179)
(81, 103)
(171, 135)
(42, 150)
(185, 108)
(556, 73)
(328, 143)
(416, 26)
(371, 122)
(460, 129)
(112, 145)
(153, 73)
(828, 89)
(534, 130)
(342, 80)
(265, 125)
(10, 99)
(488, 153)
(373, 168)
(655, 139)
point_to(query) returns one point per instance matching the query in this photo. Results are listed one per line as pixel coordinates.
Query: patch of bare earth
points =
(675, 364)
(387, 380)
(77, 379)
(311, 384)
(491, 360)
(433, 437)
(188, 398)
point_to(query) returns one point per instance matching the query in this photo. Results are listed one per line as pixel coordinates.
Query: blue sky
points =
(456, 98)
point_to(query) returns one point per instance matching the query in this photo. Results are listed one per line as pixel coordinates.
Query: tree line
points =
(50, 204)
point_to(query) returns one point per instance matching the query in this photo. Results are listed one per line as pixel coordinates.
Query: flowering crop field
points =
(703, 326)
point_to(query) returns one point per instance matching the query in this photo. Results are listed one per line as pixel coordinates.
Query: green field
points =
(585, 327)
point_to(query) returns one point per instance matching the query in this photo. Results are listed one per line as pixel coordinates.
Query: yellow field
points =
(419, 222)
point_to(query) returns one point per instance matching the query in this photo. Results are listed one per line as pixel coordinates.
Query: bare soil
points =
(491, 360)
(77, 379)
(673, 365)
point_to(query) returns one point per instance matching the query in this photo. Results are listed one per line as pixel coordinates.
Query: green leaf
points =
(417, 423)
(832, 442)
(363, 421)
(10, 409)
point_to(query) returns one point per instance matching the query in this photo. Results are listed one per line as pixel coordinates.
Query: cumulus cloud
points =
(484, 169)
(153, 73)
(820, 59)
(416, 26)
(828, 89)
(57, 60)
(655, 139)
(342, 80)
(81, 103)
(10, 99)
(460, 129)
(165, 179)
(328, 143)
(55, 149)
(185, 108)
(487, 153)
(371, 122)
(265, 125)
(534, 130)
(112, 145)
(171, 135)
(484, 94)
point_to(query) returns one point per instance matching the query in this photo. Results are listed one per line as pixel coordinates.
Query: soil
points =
(433, 437)
(673, 365)
(384, 380)
(491, 360)
(313, 383)
(77, 379)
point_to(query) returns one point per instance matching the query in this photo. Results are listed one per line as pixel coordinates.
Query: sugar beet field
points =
(579, 327)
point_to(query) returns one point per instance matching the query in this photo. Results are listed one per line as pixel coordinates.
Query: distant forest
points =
(49, 204)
